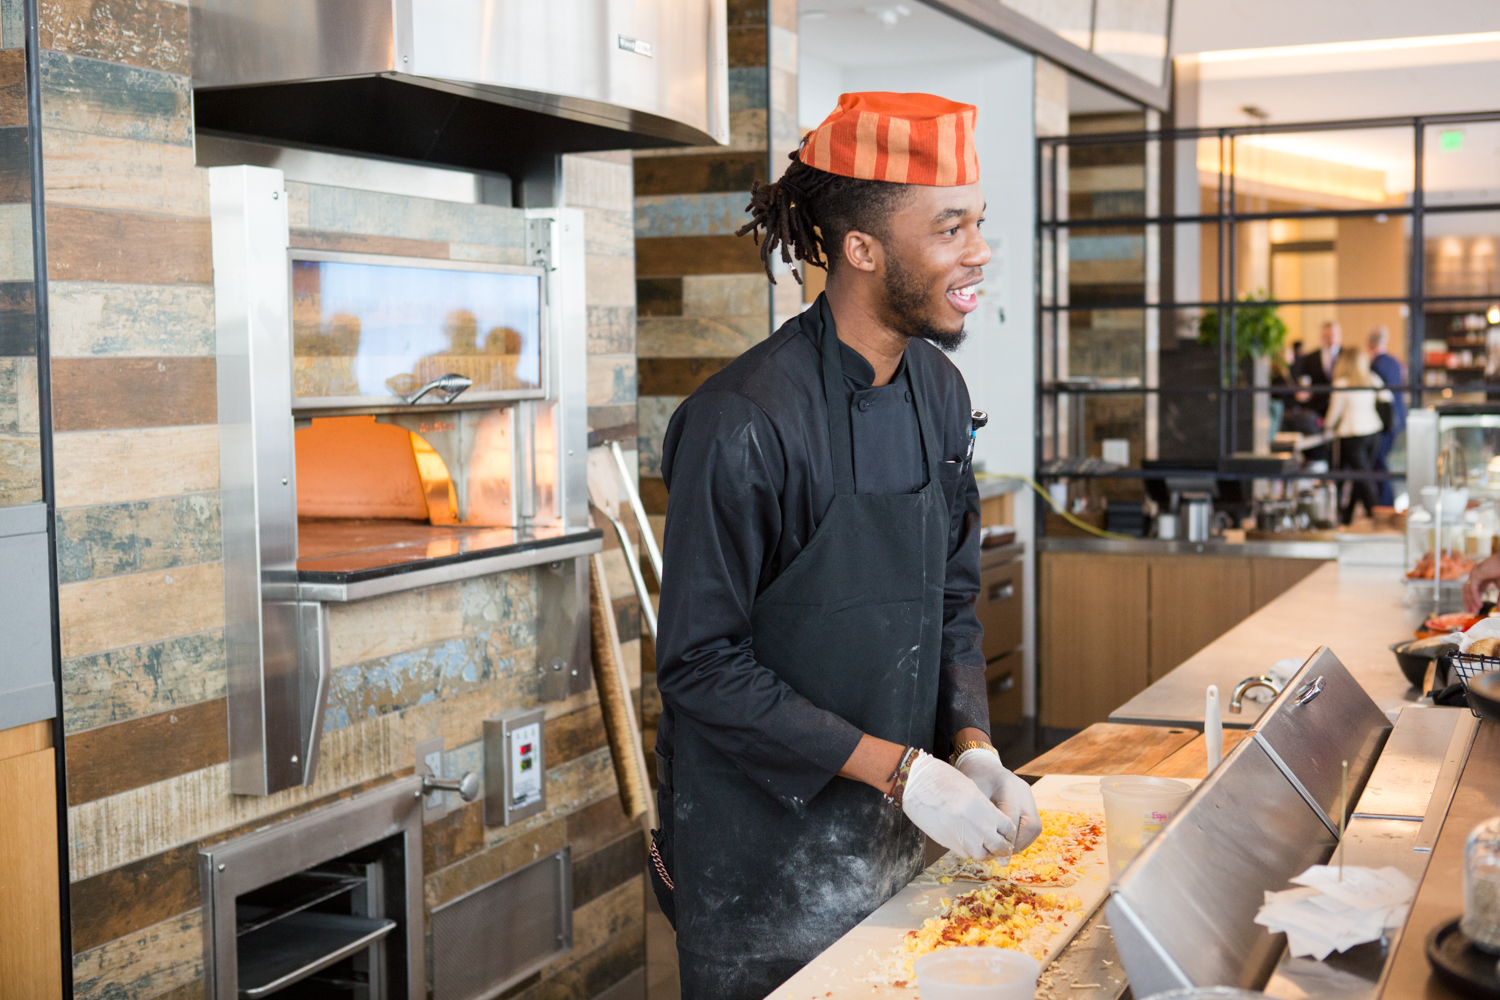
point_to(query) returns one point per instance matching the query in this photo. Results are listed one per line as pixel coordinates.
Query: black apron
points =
(854, 625)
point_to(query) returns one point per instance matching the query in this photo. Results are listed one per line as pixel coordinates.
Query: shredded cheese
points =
(1009, 911)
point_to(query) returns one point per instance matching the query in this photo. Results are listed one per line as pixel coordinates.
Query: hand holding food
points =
(1011, 794)
(948, 807)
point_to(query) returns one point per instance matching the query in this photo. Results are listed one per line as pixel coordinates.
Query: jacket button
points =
(864, 404)
(908, 395)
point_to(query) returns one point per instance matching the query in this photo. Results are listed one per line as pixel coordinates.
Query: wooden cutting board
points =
(856, 965)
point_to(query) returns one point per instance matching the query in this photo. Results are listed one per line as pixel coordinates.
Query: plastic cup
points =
(1135, 809)
(977, 974)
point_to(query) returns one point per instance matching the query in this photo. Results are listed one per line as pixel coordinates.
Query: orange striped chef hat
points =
(905, 138)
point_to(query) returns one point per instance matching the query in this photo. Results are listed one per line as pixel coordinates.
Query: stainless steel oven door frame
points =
(228, 871)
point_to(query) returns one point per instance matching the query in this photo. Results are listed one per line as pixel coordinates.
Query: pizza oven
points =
(387, 423)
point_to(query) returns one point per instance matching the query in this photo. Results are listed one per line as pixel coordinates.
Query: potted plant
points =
(1260, 341)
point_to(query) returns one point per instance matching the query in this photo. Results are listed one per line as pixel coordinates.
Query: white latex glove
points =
(948, 807)
(1007, 791)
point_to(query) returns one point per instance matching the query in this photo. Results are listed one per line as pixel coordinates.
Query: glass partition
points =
(1195, 284)
(369, 330)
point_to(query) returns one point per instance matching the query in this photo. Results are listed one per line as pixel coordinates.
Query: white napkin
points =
(1326, 914)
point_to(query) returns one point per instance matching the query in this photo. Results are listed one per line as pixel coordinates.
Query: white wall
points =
(998, 360)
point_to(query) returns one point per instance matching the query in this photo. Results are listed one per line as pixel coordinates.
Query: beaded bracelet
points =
(899, 776)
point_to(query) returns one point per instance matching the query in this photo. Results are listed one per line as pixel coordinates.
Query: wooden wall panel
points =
(669, 256)
(152, 34)
(714, 171)
(163, 461)
(676, 376)
(396, 246)
(1194, 600)
(30, 929)
(1095, 643)
(104, 98)
(143, 607)
(127, 899)
(90, 245)
(125, 755)
(95, 394)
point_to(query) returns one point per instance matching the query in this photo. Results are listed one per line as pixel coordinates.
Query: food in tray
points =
(1055, 858)
(996, 916)
(1015, 908)
(1455, 566)
(1458, 621)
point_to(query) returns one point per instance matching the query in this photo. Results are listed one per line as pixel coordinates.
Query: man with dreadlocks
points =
(819, 656)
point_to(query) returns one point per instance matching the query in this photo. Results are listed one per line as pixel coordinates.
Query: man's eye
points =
(951, 232)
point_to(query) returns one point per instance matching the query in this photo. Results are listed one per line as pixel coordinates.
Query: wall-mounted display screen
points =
(366, 331)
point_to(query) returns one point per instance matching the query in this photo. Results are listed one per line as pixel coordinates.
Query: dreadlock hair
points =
(807, 214)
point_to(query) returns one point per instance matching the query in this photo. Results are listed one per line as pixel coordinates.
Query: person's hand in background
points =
(1480, 578)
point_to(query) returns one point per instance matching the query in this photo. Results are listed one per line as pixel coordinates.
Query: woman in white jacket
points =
(1354, 421)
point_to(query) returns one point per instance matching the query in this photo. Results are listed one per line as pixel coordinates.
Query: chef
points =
(819, 658)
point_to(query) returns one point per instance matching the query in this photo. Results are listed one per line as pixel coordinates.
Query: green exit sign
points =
(1451, 141)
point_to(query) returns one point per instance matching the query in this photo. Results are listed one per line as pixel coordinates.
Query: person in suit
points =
(1388, 367)
(1316, 368)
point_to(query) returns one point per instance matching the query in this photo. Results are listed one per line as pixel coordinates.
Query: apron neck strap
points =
(840, 432)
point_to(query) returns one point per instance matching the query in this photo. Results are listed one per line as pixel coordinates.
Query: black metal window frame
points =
(1227, 219)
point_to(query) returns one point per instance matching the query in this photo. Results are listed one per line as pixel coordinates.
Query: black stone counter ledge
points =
(351, 559)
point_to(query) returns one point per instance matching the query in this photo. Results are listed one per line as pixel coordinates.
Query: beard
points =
(906, 298)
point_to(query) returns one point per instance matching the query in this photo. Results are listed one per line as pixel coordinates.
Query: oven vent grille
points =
(488, 939)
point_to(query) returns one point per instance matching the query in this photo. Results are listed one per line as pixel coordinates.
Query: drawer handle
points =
(1002, 591)
(1005, 682)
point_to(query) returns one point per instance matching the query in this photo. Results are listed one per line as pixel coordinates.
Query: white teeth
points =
(964, 293)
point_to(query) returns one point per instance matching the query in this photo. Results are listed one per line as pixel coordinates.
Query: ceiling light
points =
(814, 15)
(889, 14)
(1336, 48)
(1493, 315)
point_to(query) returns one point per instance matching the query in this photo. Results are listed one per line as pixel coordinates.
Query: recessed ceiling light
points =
(814, 15)
(889, 14)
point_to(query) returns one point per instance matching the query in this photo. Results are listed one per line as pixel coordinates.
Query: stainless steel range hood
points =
(496, 86)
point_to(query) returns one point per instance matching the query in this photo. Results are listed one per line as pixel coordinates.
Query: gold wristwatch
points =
(959, 748)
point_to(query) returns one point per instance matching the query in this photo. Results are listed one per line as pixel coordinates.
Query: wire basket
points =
(1466, 667)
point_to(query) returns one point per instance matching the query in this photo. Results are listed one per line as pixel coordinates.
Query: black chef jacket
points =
(746, 462)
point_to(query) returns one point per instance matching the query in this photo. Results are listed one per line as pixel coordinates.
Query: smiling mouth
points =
(965, 299)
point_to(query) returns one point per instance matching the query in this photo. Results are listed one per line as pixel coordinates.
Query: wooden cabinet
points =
(30, 928)
(1270, 578)
(1112, 624)
(1194, 600)
(1095, 643)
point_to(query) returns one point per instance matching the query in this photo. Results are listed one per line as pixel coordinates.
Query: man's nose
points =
(978, 254)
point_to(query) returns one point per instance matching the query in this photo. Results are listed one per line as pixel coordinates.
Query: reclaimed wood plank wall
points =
(701, 291)
(132, 327)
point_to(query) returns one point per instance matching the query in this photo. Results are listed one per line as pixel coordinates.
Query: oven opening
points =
(323, 932)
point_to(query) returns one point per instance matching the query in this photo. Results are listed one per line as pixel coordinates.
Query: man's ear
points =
(862, 251)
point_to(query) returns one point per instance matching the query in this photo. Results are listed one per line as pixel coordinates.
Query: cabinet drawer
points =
(1003, 679)
(999, 608)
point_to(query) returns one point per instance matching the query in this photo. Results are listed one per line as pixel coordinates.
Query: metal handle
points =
(467, 787)
(449, 386)
(1309, 691)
